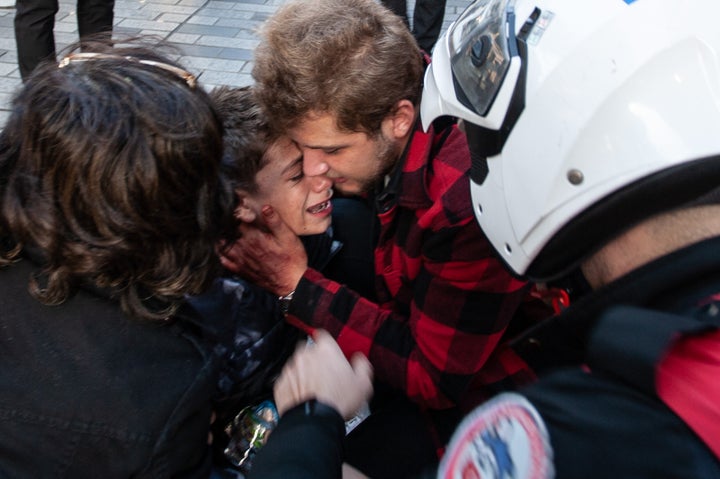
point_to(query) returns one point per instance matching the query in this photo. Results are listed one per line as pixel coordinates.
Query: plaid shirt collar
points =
(403, 187)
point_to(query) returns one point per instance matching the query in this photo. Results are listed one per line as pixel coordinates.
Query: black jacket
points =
(87, 392)
(597, 364)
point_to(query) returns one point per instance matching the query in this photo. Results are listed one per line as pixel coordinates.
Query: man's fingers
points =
(363, 372)
(277, 228)
(361, 365)
(230, 260)
(252, 234)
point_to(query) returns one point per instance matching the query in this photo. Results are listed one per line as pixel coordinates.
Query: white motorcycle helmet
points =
(583, 118)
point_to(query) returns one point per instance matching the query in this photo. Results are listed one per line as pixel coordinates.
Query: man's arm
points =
(447, 314)
(432, 347)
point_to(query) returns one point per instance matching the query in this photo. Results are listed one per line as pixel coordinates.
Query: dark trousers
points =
(399, 440)
(35, 20)
(427, 19)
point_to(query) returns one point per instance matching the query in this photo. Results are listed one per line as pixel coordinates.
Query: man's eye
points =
(333, 151)
(297, 177)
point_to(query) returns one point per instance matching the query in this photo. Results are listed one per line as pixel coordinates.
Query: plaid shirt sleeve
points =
(447, 299)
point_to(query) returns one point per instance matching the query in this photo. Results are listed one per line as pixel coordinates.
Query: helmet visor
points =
(480, 52)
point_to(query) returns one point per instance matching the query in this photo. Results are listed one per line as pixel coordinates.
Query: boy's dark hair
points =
(247, 134)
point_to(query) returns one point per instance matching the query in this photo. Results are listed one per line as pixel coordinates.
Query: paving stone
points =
(201, 20)
(149, 25)
(174, 17)
(210, 40)
(200, 50)
(225, 78)
(6, 68)
(183, 38)
(208, 30)
(214, 64)
(216, 38)
(236, 54)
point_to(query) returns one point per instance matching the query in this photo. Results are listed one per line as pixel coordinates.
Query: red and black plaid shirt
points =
(445, 300)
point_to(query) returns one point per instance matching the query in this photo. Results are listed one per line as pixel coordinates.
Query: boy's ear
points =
(399, 123)
(244, 211)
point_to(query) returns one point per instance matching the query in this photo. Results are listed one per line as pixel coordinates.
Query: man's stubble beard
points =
(386, 153)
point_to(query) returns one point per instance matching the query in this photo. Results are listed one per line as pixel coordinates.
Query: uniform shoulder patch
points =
(504, 438)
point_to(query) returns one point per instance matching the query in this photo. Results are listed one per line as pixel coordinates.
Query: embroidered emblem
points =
(504, 438)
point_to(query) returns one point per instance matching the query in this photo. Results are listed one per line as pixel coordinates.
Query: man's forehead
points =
(325, 118)
(320, 130)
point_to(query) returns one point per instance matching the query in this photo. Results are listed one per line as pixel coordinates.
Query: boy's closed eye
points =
(295, 171)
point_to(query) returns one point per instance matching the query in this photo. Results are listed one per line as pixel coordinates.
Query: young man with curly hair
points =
(343, 79)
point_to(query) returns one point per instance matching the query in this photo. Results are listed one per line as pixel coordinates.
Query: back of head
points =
(110, 175)
(351, 58)
(584, 119)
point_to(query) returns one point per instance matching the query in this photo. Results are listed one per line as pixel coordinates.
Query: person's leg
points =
(395, 441)
(95, 17)
(427, 22)
(34, 23)
(399, 8)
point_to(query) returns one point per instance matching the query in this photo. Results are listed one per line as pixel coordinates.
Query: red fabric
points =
(558, 298)
(445, 299)
(688, 381)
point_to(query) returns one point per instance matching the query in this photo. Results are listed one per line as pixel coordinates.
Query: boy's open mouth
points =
(318, 208)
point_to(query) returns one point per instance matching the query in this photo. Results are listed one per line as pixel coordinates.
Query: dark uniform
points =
(595, 412)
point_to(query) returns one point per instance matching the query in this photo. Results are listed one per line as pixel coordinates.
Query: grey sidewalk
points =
(216, 37)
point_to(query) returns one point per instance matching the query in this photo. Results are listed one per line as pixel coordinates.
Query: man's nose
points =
(320, 183)
(314, 163)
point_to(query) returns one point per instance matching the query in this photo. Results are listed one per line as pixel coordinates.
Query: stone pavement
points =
(216, 37)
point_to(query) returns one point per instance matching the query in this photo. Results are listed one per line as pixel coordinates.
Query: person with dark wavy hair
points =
(112, 202)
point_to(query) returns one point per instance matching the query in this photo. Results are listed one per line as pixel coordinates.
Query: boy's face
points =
(302, 202)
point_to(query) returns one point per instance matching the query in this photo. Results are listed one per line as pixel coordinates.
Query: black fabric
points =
(596, 390)
(252, 340)
(674, 283)
(427, 22)
(250, 335)
(398, 7)
(321, 248)
(628, 342)
(307, 443)
(87, 392)
(355, 225)
(393, 416)
(427, 19)
(601, 428)
(35, 20)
